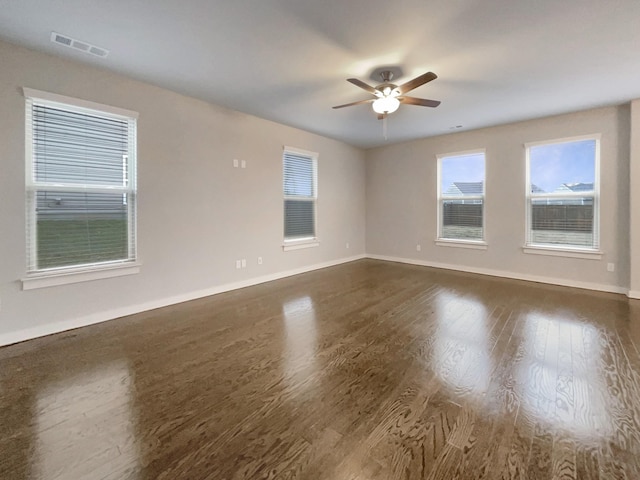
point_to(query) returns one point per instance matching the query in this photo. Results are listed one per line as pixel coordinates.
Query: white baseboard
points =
(41, 331)
(512, 275)
(634, 294)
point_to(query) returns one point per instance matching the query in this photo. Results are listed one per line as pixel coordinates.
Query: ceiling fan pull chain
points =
(384, 127)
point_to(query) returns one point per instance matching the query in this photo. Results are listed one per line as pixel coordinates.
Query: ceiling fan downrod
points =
(386, 76)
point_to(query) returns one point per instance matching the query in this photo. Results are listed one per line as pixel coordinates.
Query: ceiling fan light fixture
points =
(386, 105)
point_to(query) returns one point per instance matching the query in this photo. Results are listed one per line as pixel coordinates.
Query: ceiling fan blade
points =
(359, 102)
(423, 102)
(362, 85)
(416, 82)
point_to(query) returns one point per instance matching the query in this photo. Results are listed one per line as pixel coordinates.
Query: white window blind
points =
(562, 194)
(300, 194)
(81, 185)
(461, 196)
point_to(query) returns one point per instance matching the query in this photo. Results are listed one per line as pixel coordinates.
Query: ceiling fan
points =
(389, 96)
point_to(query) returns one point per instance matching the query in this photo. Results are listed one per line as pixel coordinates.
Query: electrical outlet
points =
(259, 260)
(235, 163)
(244, 263)
(243, 164)
(347, 244)
(238, 264)
(418, 247)
(611, 267)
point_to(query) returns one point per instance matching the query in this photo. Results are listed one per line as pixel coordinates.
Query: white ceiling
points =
(498, 61)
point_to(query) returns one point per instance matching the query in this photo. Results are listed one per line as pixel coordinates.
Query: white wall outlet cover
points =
(235, 163)
(238, 264)
(243, 164)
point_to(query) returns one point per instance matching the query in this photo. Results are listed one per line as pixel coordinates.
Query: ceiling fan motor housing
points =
(388, 89)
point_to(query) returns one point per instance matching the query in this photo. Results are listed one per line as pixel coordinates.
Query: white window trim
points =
(305, 242)
(301, 243)
(563, 250)
(54, 99)
(75, 274)
(470, 244)
(463, 243)
(64, 276)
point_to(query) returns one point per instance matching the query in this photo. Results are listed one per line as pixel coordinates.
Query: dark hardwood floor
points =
(365, 371)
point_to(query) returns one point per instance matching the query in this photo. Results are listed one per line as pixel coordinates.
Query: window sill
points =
(471, 244)
(563, 252)
(64, 277)
(297, 245)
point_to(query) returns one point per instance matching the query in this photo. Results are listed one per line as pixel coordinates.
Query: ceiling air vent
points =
(78, 45)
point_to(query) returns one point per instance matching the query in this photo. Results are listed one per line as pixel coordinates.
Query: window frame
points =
(301, 242)
(479, 244)
(36, 277)
(564, 250)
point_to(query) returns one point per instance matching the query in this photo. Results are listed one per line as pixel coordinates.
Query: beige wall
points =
(402, 201)
(196, 213)
(634, 187)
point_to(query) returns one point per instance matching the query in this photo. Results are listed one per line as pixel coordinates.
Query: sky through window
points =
(461, 168)
(554, 164)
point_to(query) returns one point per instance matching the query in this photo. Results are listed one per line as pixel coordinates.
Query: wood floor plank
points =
(563, 458)
(370, 370)
(540, 459)
(479, 451)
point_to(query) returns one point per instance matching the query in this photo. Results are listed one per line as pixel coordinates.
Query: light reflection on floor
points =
(87, 415)
(559, 383)
(300, 341)
(461, 355)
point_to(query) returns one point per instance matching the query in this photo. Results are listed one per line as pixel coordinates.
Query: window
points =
(461, 197)
(80, 183)
(562, 194)
(300, 195)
